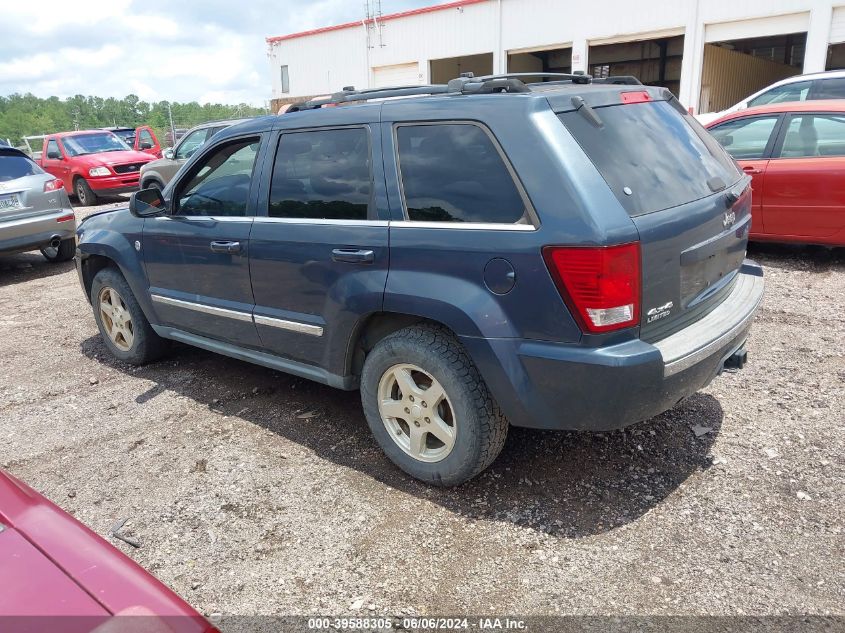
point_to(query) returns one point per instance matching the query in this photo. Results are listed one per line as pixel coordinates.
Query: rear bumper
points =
(556, 386)
(26, 234)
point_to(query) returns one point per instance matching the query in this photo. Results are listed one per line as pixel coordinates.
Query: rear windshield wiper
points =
(587, 112)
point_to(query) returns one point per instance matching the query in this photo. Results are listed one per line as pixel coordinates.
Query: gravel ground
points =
(253, 492)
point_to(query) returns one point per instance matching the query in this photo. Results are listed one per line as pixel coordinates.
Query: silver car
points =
(35, 211)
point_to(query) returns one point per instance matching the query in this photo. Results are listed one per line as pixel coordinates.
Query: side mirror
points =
(146, 203)
(146, 145)
(168, 153)
(54, 155)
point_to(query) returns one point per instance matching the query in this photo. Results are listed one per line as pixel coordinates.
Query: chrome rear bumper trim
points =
(727, 321)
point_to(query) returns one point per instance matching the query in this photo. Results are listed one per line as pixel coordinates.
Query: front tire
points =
(61, 253)
(84, 193)
(428, 407)
(126, 332)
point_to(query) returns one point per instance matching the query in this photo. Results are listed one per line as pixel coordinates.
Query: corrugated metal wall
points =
(728, 77)
(837, 26)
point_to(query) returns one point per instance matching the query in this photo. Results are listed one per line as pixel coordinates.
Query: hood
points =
(113, 158)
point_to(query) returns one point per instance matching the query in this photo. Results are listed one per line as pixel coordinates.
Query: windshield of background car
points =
(93, 143)
(14, 166)
(652, 156)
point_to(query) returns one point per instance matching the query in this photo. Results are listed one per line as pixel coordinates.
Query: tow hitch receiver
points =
(736, 360)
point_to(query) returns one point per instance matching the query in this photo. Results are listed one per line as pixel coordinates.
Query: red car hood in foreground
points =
(113, 158)
(52, 565)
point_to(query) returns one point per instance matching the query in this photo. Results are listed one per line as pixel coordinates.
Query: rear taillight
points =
(635, 96)
(600, 284)
(53, 185)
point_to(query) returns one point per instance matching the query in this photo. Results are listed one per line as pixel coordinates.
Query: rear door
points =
(805, 181)
(688, 200)
(319, 254)
(750, 140)
(197, 256)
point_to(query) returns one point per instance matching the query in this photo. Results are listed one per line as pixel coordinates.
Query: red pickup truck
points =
(92, 163)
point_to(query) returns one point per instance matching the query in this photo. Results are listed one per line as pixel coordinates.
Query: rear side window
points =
(814, 135)
(796, 91)
(324, 174)
(453, 172)
(652, 156)
(13, 166)
(830, 89)
(746, 138)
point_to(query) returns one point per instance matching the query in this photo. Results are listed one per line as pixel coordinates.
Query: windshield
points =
(93, 144)
(652, 156)
(13, 166)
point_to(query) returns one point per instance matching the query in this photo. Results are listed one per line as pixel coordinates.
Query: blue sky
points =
(180, 50)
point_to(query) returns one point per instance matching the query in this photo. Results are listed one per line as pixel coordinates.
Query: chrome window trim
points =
(457, 226)
(330, 221)
(207, 218)
(201, 307)
(293, 326)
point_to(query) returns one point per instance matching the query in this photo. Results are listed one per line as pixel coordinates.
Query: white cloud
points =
(190, 50)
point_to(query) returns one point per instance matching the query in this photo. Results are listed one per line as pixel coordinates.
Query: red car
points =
(795, 154)
(92, 163)
(52, 565)
(141, 139)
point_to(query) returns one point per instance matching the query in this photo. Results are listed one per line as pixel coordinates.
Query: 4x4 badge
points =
(730, 218)
(659, 312)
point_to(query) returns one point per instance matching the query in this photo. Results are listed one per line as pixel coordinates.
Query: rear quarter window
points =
(651, 156)
(454, 172)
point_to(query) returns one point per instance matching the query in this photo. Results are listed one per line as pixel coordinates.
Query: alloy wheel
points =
(117, 321)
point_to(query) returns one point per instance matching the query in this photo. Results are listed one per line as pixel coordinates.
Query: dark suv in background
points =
(562, 255)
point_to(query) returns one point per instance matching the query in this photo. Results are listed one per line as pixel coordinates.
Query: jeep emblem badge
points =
(730, 218)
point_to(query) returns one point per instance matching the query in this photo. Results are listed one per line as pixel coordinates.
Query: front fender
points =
(113, 235)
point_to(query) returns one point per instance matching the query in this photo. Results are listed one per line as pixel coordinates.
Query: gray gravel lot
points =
(253, 492)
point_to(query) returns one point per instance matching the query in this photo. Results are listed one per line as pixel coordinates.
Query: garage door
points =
(759, 27)
(837, 26)
(396, 75)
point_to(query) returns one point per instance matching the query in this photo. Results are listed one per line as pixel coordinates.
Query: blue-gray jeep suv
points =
(557, 255)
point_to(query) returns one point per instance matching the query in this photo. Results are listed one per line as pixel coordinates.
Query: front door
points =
(319, 258)
(805, 181)
(197, 256)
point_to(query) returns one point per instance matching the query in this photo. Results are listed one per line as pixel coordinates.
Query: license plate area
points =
(706, 267)
(10, 201)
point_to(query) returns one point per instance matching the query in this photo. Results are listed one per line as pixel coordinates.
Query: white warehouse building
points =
(710, 53)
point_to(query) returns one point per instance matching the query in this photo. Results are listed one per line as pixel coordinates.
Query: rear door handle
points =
(226, 247)
(752, 170)
(353, 256)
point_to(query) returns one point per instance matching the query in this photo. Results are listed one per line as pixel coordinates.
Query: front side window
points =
(745, 139)
(814, 135)
(190, 144)
(796, 91)
(324, 174)
(219, 184)
(453, 172)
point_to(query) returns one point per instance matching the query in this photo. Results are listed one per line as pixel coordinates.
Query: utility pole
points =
(172, 129)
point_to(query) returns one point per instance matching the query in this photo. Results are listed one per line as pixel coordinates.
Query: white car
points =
(826, 85)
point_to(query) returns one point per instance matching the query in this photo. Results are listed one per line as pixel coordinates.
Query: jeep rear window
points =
(652, 156)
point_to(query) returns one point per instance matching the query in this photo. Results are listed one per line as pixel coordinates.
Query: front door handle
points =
(353, 256)
(231, 248)
(752, 170)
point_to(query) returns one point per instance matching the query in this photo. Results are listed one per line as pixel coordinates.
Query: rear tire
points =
(443, 426)
(84, 193)
(126, 332)
(153, 184)
(64, 252)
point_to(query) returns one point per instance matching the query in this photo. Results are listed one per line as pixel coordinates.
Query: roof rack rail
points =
(349, 94)
(628, 80)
